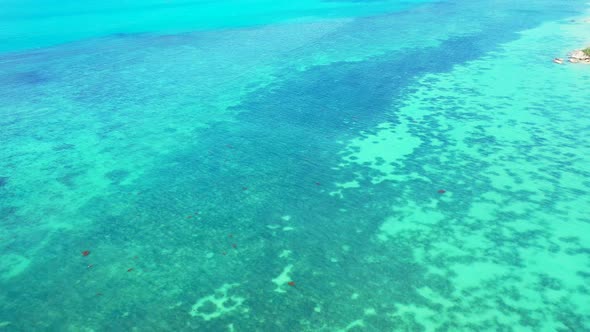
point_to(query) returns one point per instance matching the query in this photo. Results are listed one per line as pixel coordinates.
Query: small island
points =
(580, 56)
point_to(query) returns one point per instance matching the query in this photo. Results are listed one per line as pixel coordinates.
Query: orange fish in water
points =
(85, 253)
(291, 283)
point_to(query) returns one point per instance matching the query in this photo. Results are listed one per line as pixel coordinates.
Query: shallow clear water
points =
(205, 164)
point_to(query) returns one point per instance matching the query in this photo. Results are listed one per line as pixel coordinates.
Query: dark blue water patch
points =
(69, 178)
(7, 211)
(117, 176)
(345, 97)
(3, 181)
(19, 57)
(28, 78)
(123, 34)
(63, 147)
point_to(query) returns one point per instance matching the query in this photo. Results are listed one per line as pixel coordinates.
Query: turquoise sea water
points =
(294, 166)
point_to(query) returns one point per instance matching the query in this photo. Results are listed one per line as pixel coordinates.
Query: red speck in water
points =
(318, 184)
(130, 269)
(291, 283)
(441, 191)
(234, 245)
(85, 253)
